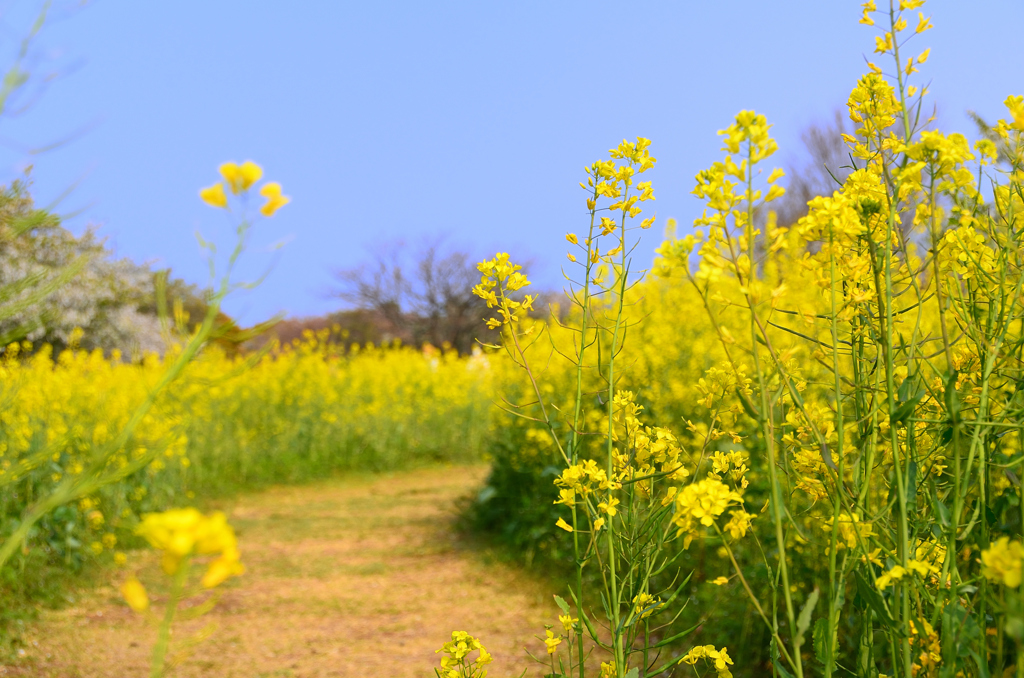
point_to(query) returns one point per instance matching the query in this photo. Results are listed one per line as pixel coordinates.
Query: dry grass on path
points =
(357, 577)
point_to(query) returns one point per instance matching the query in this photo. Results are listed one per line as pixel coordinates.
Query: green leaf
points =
(562, 605)
(982, 664)
(820, 638)
(867, 591)
(909, 395)
(803, 622)
(1014, 627)
(905, 410)
(748, 407)
(774, 650)
(941, 510)
(632, 673)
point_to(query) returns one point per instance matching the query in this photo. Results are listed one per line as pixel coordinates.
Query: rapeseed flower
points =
(454, 663)
(1001, 562)
(214, 195)
(240, 178)
(182, 533)
(275, 201)
(135, 595)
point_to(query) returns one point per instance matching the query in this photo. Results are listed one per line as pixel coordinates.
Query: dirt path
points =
(361, 577)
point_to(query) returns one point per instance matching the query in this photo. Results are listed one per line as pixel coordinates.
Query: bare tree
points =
(424, 293)
(819, 170)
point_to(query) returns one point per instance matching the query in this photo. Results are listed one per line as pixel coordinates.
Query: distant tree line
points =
(59, 289)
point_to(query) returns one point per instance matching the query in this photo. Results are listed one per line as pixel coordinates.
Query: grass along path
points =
(355, 577)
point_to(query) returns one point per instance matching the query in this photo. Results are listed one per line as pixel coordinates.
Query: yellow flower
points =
(135, 594)
(564, 525)
(720, 658)
(275, 201)
(567, 621)
(719, 581)
(701, 503)
(181, 533)
(240, 178)
(609, 506)
(895, 574)
(923, 24)
(644, 605)
(738, 524)
(567, 497)
(1001, 562)
(222, 569)
(552, 641)
(921, 567)
(214, 195)
(851, 529)
(454, 663)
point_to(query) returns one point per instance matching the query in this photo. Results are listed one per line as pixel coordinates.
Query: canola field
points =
(298, 413)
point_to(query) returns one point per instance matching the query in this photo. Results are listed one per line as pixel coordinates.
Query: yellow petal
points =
(221, 570)
(271, 189)
(233, 175)
(564, 525)
(250, 173)
(274, 204)
(214, 195)
(135, 595)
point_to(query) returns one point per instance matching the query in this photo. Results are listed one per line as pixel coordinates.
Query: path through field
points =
(357, 577)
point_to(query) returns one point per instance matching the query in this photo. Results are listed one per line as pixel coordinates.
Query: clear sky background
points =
(387, 120)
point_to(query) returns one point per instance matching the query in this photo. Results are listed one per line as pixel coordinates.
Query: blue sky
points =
(410, 119)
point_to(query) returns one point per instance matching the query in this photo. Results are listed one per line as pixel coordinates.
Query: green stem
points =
(163, 640)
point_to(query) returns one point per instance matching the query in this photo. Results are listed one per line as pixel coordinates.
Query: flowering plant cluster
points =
(239, 179)
(849, 400)
(456, 664)
(637, 494)
(181, 535)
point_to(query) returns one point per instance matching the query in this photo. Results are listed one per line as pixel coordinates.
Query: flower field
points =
(294, 415)
(776, 450)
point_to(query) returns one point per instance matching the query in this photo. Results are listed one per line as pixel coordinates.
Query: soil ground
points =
(356, 577)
